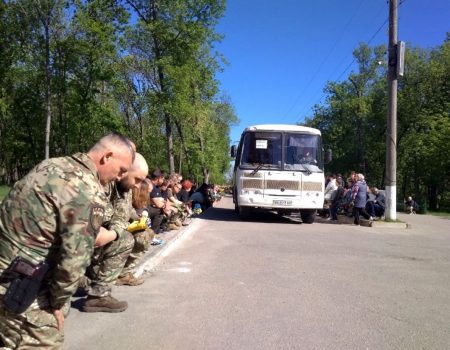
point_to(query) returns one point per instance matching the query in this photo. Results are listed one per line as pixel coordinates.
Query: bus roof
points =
(283, 127)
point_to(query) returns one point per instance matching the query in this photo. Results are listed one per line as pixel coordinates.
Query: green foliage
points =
(353, 121)
(3, 192)
(143, 68)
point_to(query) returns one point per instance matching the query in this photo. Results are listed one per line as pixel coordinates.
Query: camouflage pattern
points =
(34, 329)
(52, 214)
(118, 209)
(142, 240)
(109, 260)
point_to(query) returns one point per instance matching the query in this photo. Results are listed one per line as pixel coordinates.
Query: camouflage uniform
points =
(52, 214)
(109, 260)
(142, 240)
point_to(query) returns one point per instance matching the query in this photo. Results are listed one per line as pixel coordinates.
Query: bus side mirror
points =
(233, 151)
(328, 156)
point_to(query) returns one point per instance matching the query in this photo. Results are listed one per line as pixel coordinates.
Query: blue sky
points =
(282, 53)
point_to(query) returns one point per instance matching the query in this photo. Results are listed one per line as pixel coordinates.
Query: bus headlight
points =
(247, 191)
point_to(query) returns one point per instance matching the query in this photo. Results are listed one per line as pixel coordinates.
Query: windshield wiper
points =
(302, 163)
(259, 167)
(308, 171)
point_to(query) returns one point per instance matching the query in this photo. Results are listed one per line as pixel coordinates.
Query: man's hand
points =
(104, 237)
(158, 202)
(59, 318)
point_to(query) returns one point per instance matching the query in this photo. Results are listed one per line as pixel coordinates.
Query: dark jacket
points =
(381, 199)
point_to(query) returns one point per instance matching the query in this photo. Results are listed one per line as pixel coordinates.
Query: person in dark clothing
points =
(185, 191)
(338, 197)
(376, 207)
(411, 206)
(201, 197)
(359, 199)
(156, 201)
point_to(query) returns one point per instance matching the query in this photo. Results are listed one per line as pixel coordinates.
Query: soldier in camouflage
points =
(109, 259)
(54, 215)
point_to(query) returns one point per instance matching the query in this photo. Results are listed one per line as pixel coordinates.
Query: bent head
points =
(113, 156)
(136, 174)
(176, 188)
(157, 177)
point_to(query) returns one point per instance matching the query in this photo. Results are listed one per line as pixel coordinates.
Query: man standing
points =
(109, 259)
(49, 220)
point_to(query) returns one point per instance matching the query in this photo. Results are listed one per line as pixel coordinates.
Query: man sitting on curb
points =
(115, 246)
(155, 209)
(376, 206)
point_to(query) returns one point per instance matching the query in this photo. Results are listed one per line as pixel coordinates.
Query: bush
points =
(3, 192)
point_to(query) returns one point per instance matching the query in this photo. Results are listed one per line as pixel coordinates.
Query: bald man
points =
(48, 224)
(114, 243)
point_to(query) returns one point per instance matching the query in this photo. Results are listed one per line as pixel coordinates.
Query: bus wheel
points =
(243, 212)
(308, 216)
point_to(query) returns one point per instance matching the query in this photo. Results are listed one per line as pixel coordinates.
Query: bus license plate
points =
(282, 202)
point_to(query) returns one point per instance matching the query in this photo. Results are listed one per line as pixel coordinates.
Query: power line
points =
(354, 59)
(324, 60)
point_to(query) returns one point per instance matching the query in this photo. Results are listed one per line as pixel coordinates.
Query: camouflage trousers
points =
(107, 264)
(142, 240)
(36, 328)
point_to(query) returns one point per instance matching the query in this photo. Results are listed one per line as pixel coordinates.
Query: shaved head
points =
(139, 164)
(113, 156)
(115, 140)
(136, 174)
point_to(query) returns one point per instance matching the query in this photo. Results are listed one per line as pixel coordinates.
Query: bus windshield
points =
(303, 151)
(262, 149)
(282, 150)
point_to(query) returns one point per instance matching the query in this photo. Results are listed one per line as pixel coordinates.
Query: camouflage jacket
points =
(54, 214)
(118, 210)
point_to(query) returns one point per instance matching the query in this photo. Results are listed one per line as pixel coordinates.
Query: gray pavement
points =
(274, 283)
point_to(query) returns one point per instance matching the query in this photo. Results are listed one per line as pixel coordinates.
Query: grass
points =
(3, 191)
(438, 213)
(390, 220)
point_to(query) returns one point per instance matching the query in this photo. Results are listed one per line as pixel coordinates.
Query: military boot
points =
(129, 280)
(173, 226)
(104, 304)
(83, 286)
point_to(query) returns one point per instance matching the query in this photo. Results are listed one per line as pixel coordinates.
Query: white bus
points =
(279, 168)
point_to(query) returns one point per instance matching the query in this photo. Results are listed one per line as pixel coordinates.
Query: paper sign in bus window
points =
(261, 144)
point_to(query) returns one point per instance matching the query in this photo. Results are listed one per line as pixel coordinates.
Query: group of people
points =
(82, 222)
(353, 198)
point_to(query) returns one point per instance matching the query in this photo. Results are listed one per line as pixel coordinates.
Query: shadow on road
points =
(226, 214)
(77, 304)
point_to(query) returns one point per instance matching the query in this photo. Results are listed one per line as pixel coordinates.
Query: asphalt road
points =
(274, 283)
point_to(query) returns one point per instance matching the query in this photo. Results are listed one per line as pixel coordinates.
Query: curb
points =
(345, 220)
(377, 224)
(172, 239)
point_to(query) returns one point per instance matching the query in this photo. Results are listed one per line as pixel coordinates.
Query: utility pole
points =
(391, 137)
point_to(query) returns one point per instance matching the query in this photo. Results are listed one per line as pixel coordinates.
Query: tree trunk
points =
(169, 136)
(165, 94)
(205, 171)
(205, 176)
(48, 91)
(433, 196)
(183, 145)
